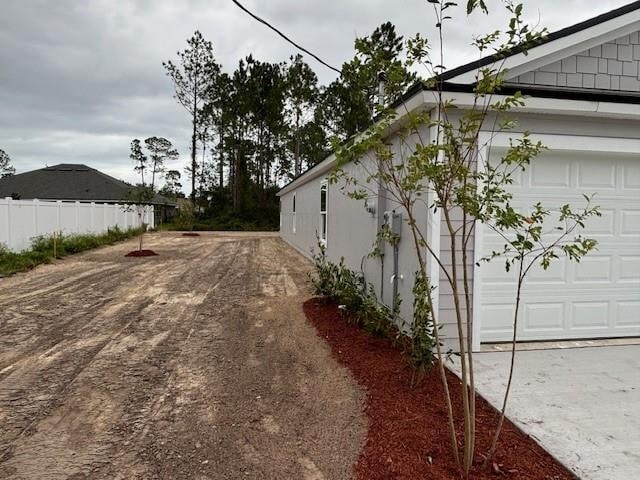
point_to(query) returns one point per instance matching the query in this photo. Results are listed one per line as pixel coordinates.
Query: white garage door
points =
(598, 297)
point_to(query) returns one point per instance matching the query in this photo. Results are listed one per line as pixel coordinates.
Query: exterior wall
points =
(352, 231)
(306, 217)
(407, 256)
(446, 297)
(614, 65)
(22, 220)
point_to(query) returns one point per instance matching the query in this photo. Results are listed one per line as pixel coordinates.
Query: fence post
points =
(9, 201)
(77, 208)
(58, 214)
(36, 207)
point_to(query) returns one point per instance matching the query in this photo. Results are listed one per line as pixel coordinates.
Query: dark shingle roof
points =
(68, 181)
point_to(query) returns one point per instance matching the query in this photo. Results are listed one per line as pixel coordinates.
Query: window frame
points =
(293, 214)
(324, 216)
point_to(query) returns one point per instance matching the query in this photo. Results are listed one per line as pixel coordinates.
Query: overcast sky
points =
(80, 79)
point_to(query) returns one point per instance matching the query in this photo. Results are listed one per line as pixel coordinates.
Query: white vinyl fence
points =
(22, 220)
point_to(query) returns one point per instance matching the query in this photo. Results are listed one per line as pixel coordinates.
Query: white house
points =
(582, 88)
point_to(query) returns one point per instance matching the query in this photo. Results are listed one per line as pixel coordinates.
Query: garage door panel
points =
(545, 173)
(556, 273)
(631, 176)
(589, 315)
(594, 268)
(629, 269)
(596, 298)
(543, 316)
(605, 225)
(494, 272)
(498, 320)
(630, 222)
(597, 175)
(628, 314)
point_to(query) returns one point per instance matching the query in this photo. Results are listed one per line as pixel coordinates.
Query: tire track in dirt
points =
(55, 368)
(66, 314)
(60, 359)
(198, 366)
(134, 366)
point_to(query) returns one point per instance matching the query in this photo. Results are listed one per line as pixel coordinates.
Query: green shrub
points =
(42, 248)
(348, 288)
(422, 334)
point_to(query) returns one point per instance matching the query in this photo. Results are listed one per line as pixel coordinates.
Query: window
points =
(323, 213)
(293, 217)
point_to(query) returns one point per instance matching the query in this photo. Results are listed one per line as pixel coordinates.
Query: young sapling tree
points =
(442, 162)
(141, 195)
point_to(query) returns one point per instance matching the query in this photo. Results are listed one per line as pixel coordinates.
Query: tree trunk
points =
(204, 164)
(221, 162)
(296, 154)
(194, 164)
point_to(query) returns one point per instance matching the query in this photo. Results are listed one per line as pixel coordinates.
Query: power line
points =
(299, 47)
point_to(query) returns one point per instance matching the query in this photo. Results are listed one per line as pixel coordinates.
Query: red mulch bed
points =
(408, 425)
(141, 253)
(190, 234)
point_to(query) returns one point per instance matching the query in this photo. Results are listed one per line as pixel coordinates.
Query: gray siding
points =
(613, 65)
(307, 217)
(351, 229)
(446, 296)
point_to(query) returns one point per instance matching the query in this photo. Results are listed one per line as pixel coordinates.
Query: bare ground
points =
(196, 364)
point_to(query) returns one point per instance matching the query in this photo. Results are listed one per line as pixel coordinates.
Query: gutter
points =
(551, 105)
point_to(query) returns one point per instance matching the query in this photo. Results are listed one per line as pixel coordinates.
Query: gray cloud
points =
(79, 80)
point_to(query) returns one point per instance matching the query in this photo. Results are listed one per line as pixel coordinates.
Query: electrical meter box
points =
(394, 221)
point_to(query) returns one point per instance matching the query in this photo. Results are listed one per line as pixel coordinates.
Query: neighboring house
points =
(74, 182)
(583, 102)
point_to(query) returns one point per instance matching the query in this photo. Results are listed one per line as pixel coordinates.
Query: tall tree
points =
(348, 104)
(6, 169)
(302, 93)
(313, 143)
(382, 51)
(192, 77)
(223, 107)
(140, 160)
(160, 151)
(266, 89)
(172, 186)
(217, 110)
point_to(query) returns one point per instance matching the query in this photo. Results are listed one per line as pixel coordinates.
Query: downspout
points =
(382, 192)
(396, 231)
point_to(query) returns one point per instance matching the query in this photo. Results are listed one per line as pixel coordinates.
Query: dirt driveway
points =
(194, 364)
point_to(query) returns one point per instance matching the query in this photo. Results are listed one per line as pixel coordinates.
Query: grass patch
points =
(226, 223)
(42, 249)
